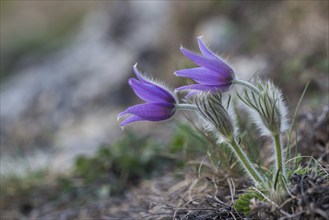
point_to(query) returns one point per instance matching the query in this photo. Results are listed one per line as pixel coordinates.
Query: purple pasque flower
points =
(160, 103)
(212, 75)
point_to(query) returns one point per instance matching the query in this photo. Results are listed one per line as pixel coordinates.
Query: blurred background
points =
(65, 66)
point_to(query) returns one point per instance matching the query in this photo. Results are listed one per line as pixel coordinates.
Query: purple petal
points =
(151, 112)
(150, 93)
(204, 76)
(139, 75)
(204, 50)
(130, 119)
(205, 88)
(216, 65)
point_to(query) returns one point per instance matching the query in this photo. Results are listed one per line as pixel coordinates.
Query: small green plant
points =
(243, 203)
(121, 164)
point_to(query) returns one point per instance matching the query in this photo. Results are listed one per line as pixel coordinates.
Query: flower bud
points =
(213, 112)
(267, 108)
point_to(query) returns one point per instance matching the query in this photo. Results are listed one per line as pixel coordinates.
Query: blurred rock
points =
(68, 99)
(220, 31)
(247, 67)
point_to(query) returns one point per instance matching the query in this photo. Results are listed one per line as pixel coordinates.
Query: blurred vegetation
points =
(122, 164)
(112, 170)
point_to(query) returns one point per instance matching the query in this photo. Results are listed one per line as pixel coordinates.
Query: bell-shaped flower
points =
(212, 75)
(160, 103)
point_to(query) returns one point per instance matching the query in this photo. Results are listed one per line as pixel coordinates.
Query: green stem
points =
(186, 107)
(247, 84)
(279, 156)
(293, 122)
(246, 163)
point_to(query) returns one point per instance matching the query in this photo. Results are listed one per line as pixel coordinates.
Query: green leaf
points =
(242, 204)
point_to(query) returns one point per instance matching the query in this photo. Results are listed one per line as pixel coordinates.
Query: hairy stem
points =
(186, 107)
(246, 163)
(248, 85)
(279, 156)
